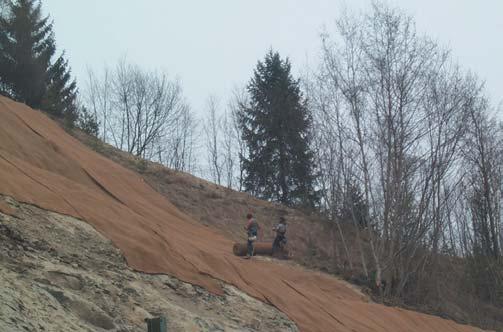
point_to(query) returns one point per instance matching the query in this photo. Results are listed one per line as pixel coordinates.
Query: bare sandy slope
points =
(40, 164)
(58, 274)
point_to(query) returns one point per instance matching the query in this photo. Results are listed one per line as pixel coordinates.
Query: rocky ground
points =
(58, 274)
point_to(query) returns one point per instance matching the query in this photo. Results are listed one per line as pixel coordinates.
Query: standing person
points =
(252, 228)
(280, 238)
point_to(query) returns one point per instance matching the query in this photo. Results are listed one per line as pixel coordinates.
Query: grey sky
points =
(214, 45)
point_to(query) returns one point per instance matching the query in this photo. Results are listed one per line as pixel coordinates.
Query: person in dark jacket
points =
(280, 238)
(252, 228)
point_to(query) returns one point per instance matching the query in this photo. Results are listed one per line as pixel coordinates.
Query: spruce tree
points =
(275, 125)
(88, 122)
(27, 73)
(61, 91)
(26, 48)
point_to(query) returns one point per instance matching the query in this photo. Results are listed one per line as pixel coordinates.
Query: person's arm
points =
(247, 227)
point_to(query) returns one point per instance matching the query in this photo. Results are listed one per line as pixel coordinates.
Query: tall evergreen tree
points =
(27, 73)
(61, 91)
(27, 46)
(275, 126)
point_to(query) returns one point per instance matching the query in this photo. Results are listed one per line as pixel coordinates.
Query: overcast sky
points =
(214, 45)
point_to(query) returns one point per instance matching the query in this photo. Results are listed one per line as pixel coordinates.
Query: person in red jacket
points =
(252, 229)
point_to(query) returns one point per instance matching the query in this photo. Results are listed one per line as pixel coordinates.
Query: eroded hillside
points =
(41, 165)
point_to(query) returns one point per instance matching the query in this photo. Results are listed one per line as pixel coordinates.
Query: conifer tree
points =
(27, 73)
(275, 125)
(61, 91)
(88, 122)
(26, 48)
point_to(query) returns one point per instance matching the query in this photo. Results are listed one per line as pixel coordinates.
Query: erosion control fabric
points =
(42, 165)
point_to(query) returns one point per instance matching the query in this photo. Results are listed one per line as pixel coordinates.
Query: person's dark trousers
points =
(276, 243)
(250, 248)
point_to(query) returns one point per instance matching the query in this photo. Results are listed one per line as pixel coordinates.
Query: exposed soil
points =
(58, 274)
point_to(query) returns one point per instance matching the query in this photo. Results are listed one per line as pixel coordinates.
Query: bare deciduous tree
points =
(228, 143)
(98, 99)
(391, 112)
(238, 99)
(482, 176)
(178, 149)
(143, 113)
(212, 134)
(223, 142)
